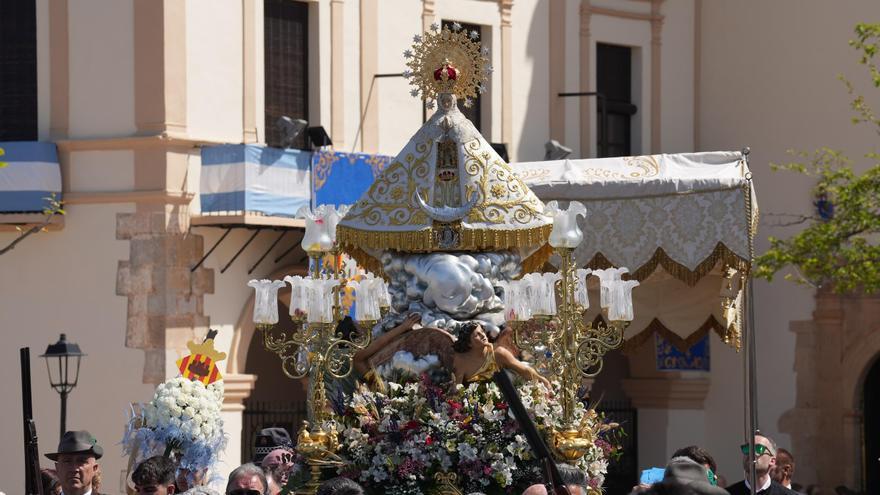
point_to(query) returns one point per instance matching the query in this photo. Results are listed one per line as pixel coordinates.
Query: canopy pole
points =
(751, 362)
(751, 384)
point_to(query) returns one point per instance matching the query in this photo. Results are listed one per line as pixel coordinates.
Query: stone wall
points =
(833, 353)
(165, 298)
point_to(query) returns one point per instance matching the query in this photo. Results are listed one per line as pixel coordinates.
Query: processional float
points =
(450, 232)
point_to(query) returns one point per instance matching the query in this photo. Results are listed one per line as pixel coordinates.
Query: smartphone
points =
(652, 475)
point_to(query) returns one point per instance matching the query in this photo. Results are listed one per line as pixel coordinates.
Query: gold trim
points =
(355, 241)
(447, 60)
(721, 254)
(422, 241)
(419, 241)
(366, 261)
(534, 262)
(682, 344)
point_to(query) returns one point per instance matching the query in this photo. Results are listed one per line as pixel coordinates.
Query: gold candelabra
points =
(573, 349)
(317, 350)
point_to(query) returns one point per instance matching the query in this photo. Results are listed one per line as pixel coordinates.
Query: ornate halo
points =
(447, 61)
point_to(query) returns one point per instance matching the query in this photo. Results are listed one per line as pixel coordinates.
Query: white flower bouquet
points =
(182, 419)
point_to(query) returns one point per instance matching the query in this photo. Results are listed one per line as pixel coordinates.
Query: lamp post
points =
(58, 357)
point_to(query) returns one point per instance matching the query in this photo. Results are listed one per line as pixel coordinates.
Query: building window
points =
(475, 112)
(286, 41)
(614, 81)
(18, 70)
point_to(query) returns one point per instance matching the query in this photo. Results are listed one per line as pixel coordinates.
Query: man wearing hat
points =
(270, 439)
(76, 462)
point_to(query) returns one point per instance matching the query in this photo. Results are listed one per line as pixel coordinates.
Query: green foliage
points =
(54, 206)
(868, 41)
(843, 250)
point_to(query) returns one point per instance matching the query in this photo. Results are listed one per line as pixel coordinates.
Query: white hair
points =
(250, 469)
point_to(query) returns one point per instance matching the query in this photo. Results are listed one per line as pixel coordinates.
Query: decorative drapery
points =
(682, 223)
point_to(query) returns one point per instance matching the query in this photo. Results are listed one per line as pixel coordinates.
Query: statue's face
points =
(478, 337)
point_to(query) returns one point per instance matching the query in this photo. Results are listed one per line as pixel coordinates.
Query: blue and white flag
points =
(238, 178)
(31, 175)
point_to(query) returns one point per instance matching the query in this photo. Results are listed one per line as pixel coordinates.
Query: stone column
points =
(237, 388)
(833, 352)
(369, 105)
(557, 69)
(429, 14)
(251, 51)
(656, 76)
(505, 7)
(337, 73)
(165, 299)
(816, 422)
(585, 109)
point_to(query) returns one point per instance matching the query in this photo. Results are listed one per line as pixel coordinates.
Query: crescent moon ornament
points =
(446, 214)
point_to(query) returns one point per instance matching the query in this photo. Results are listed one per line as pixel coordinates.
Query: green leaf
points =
(842, 251)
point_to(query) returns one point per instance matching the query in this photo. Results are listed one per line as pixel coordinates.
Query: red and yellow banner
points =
(200, 368)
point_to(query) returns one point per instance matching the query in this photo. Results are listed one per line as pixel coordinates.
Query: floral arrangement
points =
(396, 441)
(183, 419)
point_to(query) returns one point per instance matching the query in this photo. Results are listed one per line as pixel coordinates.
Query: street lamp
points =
(63, 352)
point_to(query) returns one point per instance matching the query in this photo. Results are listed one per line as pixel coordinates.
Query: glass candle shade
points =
(605, 277)
(581, 296)
(565, 233)
(298, 296)
(320, 308)
(621, 308)
(317, 237)
(266, 301)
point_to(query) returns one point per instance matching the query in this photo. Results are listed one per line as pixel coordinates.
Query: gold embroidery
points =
(647, 164)
(527, 175)
(322, 166)
(375, 208)
(516, 204)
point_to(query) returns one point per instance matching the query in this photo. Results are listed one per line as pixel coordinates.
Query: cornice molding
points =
(623, 14)
(661, 393)
(236, 388)
(163, 140)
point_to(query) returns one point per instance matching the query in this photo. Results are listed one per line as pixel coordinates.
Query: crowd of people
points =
(690, 471)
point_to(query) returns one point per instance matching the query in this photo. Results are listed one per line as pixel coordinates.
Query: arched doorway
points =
(871, 428)
(276, 401)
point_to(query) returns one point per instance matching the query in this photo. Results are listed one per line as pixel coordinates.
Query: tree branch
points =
(28, 232)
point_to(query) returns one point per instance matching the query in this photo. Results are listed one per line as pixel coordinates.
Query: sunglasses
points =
(713, 479)
(244, 491)
(759, 449)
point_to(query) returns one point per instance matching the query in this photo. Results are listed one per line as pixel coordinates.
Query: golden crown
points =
(447, 60)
